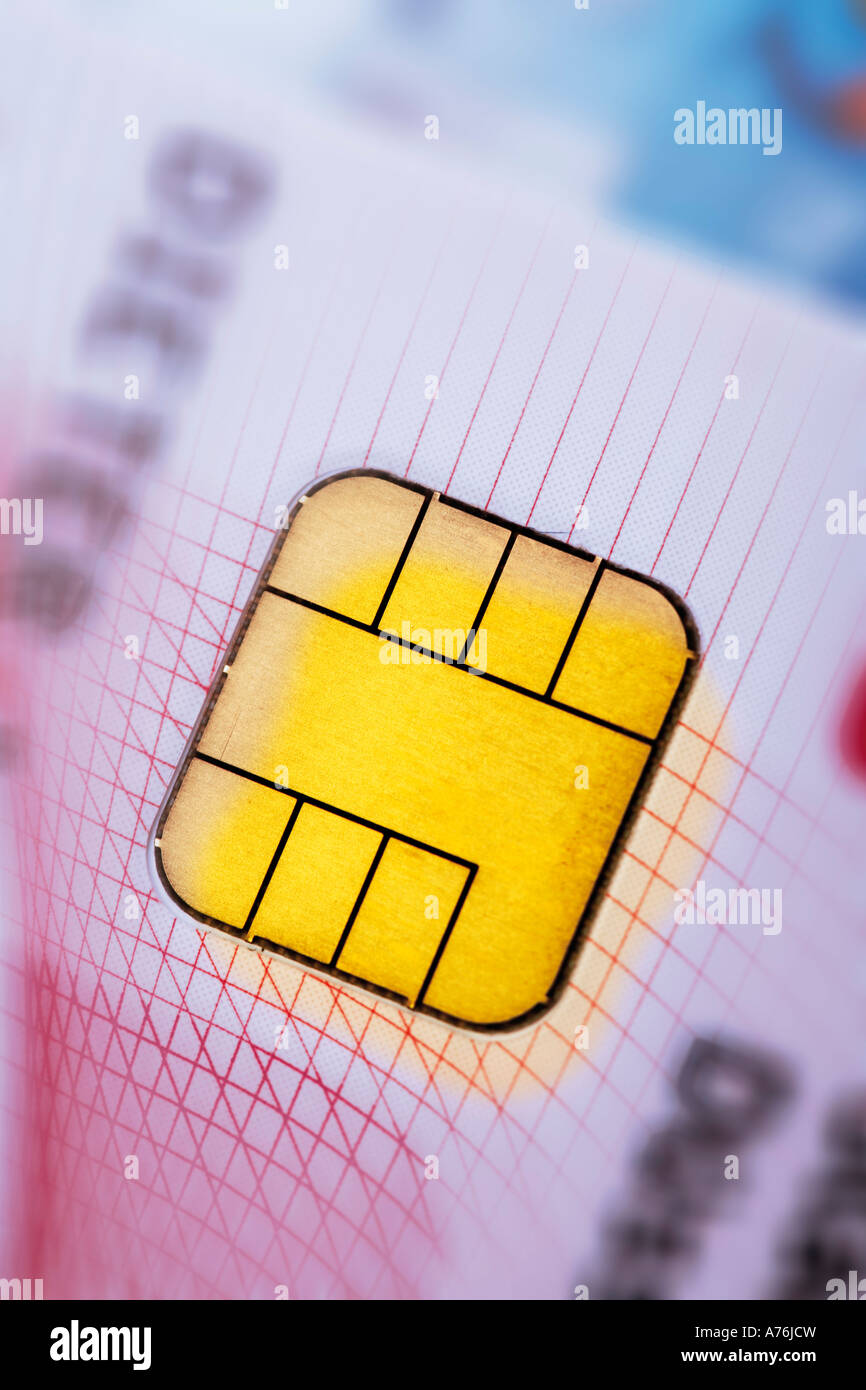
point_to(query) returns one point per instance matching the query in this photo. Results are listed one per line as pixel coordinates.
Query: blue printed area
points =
(618, 71)
(625, 66)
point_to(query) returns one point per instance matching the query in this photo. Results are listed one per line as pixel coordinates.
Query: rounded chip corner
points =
(674, 601)
(168, 894)
(501, 1028)
(329, 481)
(156, 863)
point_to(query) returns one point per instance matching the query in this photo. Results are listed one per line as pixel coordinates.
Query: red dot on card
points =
(853, 730)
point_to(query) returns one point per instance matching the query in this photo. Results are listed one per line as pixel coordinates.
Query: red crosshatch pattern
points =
(282, 1124)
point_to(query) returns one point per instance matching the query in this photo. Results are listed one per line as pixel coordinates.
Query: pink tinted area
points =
(852, 733)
